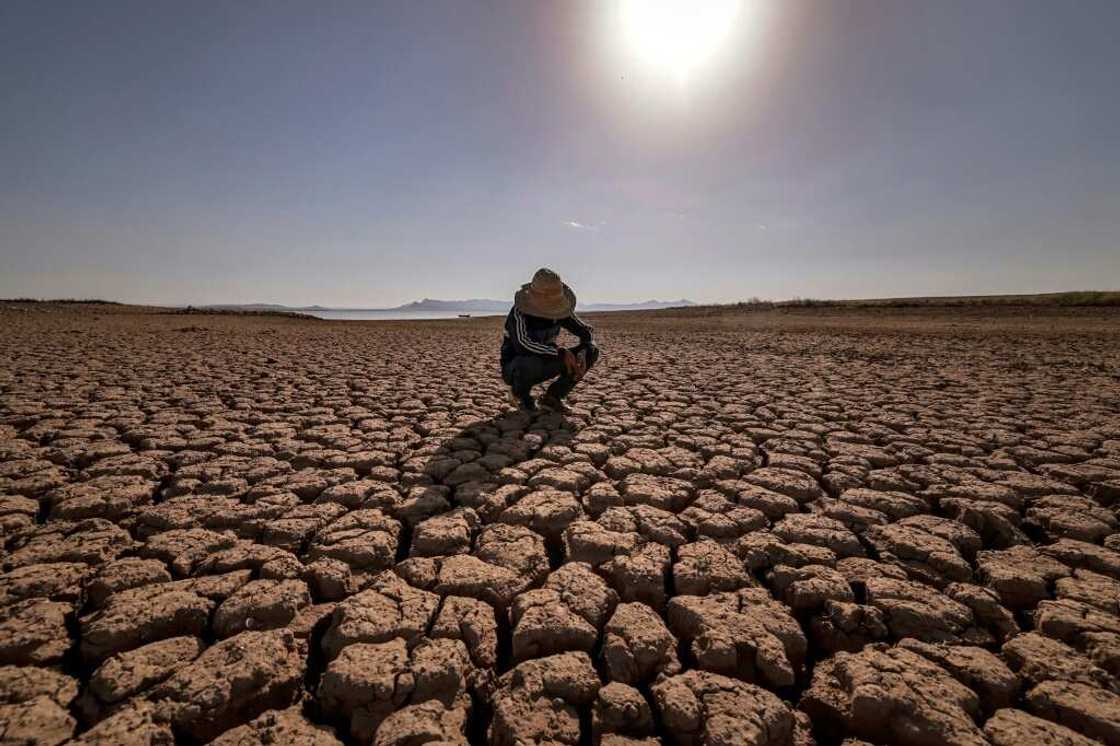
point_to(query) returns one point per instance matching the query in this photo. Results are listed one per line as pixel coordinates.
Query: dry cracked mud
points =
(894, 527)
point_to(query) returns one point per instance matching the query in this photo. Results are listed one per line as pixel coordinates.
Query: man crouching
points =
(529, 351)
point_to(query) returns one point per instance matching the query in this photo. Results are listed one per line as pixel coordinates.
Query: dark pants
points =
(524, 372)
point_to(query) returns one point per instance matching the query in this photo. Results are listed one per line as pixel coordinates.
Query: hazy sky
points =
(366, 154)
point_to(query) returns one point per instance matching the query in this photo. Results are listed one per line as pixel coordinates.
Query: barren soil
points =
(790, 527)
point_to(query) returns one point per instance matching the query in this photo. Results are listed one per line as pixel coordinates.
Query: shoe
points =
(523, 402)
(548, 401)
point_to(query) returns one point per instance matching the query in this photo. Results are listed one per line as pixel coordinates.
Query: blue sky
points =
(367, 154)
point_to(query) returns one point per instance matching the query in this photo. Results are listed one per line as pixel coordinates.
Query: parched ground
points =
(892, 527)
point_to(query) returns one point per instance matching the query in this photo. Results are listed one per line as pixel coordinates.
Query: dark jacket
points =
(533, 335)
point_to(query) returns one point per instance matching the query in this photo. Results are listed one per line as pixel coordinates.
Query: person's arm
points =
(581, 329)
(519, 333)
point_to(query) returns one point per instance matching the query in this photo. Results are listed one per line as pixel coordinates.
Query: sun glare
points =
(678, 37)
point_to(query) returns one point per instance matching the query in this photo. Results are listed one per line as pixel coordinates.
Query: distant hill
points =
(648, 305)
(472, 305)
(477, 305)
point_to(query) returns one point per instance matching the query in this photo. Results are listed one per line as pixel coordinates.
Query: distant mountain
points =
(472, 305)
(478, 305)
(648, 305)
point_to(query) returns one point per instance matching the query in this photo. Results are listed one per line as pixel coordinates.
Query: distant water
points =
(360, 315)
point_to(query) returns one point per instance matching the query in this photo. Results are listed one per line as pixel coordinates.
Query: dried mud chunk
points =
(543, 625)
(464, 575)
(295, 527)
(1020, 575)
(39, 721)
(16, 512)
(847, 626)
(985, 606)
(600, 496)
(1086, 709)
(622, 710)
(915, 610)
(214, 587)
(331, 580)
(892, 506)
(705, 566)
(772, 504)
(1071, 517)
(640, 575)
(137, 724)
(976, 668)
(130, 672)
(891, 696)
(427, 722)
(699, 708)
(807, 588)
(232, 682)
(537, 701)
(565, 614)
(127, 465)
(473, 622)
(111, 498)
(652, 524)
(369, 681)
(24, 683)
(364, 539)
(1017, 728)
(584, 592)
(1103, 648)
(547, 512)
(279, 727)
(1091, 588)
(446, 534)
(122, 575)
(966, 541)
(130, 620)
(662, 492)
(587, 541)
(389, 608)
(924, 556)
(745, 634)
(261, 604)
(713, 516)
(560, 479)
(996, 523)
(855, 517)
(514, 548)
(244, 555)
(857, 570)
(93, 542)
(1080, 554)
(1073, 622)
(34, 632)
(57, 581)
(798, 485)
(183, 548)
(1037, 659)
(762, 550)
(818, 530)
(637, 646)
(353, 495)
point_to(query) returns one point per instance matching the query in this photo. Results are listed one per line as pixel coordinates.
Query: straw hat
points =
(546, 296)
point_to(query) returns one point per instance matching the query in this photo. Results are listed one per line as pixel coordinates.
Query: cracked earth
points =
(778, 529)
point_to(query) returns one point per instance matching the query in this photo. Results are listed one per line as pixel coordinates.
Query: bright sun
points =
(677, 37)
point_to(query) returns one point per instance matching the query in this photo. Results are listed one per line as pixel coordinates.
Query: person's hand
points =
(570, 361)
(575, 366)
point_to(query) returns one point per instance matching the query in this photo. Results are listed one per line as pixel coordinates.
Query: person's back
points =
(530, 355)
